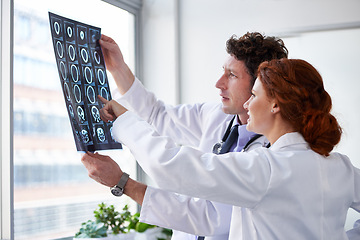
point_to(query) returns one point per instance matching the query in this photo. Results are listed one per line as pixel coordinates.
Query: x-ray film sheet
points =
(82, 73)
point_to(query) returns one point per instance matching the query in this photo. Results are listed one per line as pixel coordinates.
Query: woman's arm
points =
(223, 178)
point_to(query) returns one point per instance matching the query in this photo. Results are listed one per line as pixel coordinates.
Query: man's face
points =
(234, 86)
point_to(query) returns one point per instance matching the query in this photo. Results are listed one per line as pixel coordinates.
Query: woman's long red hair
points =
(298, 88)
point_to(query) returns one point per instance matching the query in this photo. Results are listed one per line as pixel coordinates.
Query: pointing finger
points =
(103, 100)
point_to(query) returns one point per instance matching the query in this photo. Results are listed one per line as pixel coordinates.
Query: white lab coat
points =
(285, 192)
(198, 125)
(183, 213)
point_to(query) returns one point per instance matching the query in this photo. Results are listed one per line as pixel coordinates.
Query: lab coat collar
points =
(288, 139)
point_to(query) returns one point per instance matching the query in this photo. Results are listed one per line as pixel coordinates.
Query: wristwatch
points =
(118, 189)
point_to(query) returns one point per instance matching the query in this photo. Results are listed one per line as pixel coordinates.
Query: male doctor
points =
(199, 125)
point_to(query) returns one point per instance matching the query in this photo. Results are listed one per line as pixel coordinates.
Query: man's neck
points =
(242, 118)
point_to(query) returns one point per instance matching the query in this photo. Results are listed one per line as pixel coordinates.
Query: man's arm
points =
(162, 208)
(183, 123)
(185, 214)
(115, 63)
(106, 171)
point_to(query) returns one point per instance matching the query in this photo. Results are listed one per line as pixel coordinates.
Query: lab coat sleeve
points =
(183, 123)
(183, 213)
(354, 233)
(239, 179)
(356, 203)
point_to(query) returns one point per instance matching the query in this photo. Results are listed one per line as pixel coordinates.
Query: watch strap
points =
(123, 180)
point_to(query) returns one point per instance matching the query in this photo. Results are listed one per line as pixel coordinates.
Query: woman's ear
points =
(275, 108)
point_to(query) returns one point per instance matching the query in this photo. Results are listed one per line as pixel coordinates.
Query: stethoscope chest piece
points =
(217, 147)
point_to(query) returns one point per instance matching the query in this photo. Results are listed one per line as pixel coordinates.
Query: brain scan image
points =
(97, 57)
(74, 73)
(57, 28)
(81, 114)
(69, 32)
(62, 68)
(104, 93)
(67, 91)
(111, 134)
(88, 75)
(71, 111)
(60, 49)
(95, 35)
(90, 92)
(82, 73)
(72, 52)
(95, 113)
(101, 76)
(101, 134)
(85, 136)
(84, 55)
(82, 34)
(77, 93)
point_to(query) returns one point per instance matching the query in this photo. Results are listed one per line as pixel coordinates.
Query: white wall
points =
(206, 25)
(185, 39)
(159, 48)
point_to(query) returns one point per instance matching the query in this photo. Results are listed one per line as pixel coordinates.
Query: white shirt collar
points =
(293, 138)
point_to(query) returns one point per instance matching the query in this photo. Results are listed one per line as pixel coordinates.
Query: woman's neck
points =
(279, 128)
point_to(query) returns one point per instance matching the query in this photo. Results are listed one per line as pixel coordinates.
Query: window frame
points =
(6, 104)
(6, 164)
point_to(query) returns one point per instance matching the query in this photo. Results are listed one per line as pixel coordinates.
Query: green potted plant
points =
(92, 229)
(111, 224)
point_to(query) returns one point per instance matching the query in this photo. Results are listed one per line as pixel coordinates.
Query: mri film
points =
(82, 74)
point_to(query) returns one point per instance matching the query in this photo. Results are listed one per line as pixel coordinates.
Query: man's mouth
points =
(224, 98)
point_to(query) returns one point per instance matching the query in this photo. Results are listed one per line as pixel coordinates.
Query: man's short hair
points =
(254, 48)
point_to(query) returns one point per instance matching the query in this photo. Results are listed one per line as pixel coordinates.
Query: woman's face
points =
(260, 110)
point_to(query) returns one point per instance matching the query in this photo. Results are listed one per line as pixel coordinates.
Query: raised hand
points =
(112, 54)
(102, 168)
(115, 63)
(106, 171)
(111, 109)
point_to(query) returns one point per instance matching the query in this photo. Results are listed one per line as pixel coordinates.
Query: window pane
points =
(52, 193)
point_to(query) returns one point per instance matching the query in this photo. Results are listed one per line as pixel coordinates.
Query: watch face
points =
(116, 191)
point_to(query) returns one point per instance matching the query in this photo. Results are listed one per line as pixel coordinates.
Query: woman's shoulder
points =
(336, 156)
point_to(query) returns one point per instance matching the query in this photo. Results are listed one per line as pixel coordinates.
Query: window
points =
(52, 194)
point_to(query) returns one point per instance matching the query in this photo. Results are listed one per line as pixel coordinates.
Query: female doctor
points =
(296, 189)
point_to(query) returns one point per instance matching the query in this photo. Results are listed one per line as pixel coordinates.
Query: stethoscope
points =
(217, 147)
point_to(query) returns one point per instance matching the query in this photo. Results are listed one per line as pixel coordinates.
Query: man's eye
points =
(232, 75)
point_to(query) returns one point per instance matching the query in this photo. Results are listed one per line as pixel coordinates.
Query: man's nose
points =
(221, 83)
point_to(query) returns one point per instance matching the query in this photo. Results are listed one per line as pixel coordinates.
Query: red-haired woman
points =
(296, 189)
